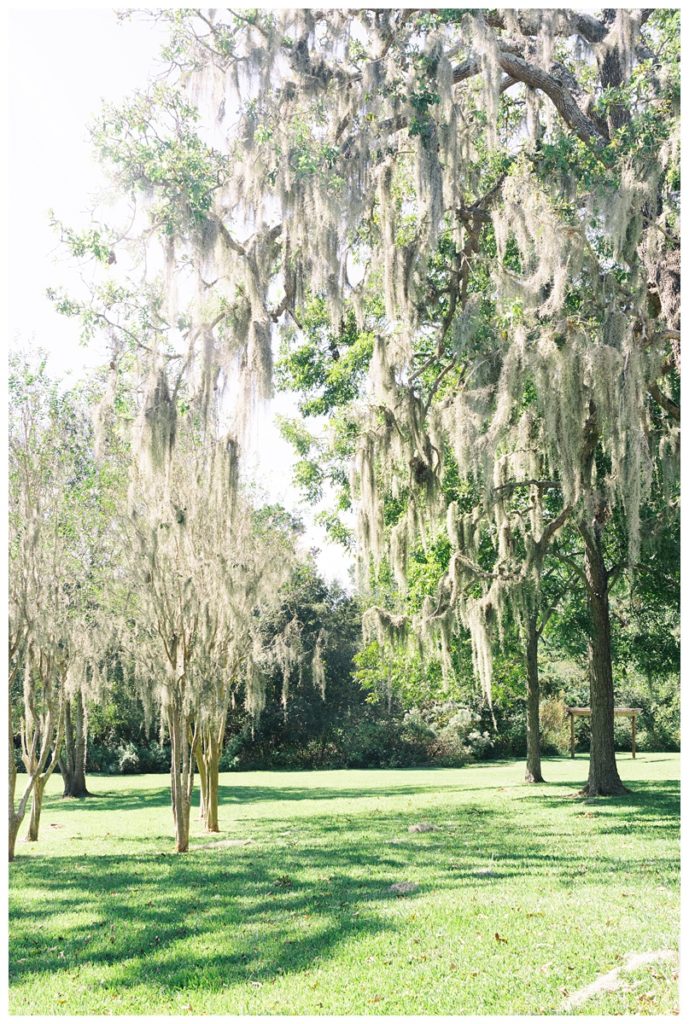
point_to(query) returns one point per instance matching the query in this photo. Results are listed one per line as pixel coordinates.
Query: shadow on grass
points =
(130, 799)
(260, 924)
(219, 918)
(657, 799)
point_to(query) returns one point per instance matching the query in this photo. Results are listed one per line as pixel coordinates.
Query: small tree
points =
(235, 651)
(202, 570)
(58, 531)
(42, 587)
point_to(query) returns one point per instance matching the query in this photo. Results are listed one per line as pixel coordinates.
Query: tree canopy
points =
(454, 236)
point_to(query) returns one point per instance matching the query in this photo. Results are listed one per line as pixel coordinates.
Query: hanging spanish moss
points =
(157, 428)
(318, 664)
(515, 339)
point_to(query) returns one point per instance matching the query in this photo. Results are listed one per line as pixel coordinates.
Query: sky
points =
(76, 60)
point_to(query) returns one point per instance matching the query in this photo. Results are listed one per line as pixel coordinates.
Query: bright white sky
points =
(75, 60)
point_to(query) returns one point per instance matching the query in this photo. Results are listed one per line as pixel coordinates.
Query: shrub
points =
(448, 749)
(554, 721)
(447, 734)
(153, 757)
(380, 744)
(128, 760)
(102, 758)
(417, 736)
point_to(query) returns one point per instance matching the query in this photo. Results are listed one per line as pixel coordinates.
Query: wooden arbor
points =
(573, 713)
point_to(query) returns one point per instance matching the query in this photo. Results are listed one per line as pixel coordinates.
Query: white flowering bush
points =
(449, 733)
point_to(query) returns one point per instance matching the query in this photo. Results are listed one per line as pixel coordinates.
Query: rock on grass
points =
(404, 888)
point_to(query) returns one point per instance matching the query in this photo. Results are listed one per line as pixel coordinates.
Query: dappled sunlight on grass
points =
(522, 892)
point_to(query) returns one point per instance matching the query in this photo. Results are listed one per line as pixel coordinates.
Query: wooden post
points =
(633, 736)
(571, 734)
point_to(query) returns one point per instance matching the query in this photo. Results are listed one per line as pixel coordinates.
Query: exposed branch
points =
(542, 485)
(670, 407)
(577, 569)
(553, 526)
(588, 27)
(559, 94)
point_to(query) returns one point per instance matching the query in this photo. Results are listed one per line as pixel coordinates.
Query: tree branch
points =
(543, 485)
(670, 407)
(559, 94)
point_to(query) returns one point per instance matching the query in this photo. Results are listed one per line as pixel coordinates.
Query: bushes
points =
(554, 726)
(507, 734)
(446, 733)
(229, 758)
(102, 758)
(153, 757)
(658, 723)
(384, 744)
(128, 758)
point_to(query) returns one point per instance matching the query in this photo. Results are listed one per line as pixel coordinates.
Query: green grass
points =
(105, 918)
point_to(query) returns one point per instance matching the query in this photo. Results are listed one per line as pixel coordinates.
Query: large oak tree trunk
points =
(604, 779)
(73, 760)
(611, 66)
(533, 696)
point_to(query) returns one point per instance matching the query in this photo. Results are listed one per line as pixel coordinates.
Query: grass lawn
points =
(525, 895)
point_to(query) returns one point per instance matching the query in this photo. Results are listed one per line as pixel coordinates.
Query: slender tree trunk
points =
(15, 822)
(212, 781)
(604, 779)
(12, 779)
(36, 808)
(203, 785)
(181, 826)
(16, 814)
(533, 696)
(73, 760)
(183, 752)
(208, 763)
(37, 800)
(36, 773)
(212, 822)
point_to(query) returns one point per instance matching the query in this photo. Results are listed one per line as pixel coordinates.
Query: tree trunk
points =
(36, 807)
(181, 776)
(14, 819)
(533, 718)
(212, 781)
(73, 760)
(604, 779)
(15, 822)
(203, 785)
(15, 816)
(208, 762)
(34, 774)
